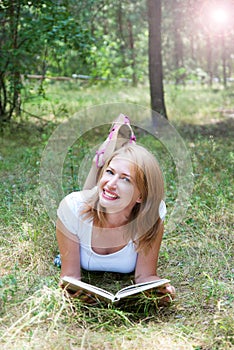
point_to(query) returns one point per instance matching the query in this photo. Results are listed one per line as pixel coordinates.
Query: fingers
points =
(76, 294)
(167, 289)
(84, 297)
(171, 290)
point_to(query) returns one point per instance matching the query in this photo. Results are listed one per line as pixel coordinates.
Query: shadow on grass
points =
(135, 309)
(221, 128)
(218, 129)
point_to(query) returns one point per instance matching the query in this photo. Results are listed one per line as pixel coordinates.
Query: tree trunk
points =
(223, 48)
(209, 60)
(133, 56)
(178, 44)
(121, 31)
(155, 58)
(15, 79)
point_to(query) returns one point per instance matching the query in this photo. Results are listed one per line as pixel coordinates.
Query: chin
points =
(109, 208)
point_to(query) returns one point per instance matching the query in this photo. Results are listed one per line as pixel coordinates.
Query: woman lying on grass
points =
(116, 223)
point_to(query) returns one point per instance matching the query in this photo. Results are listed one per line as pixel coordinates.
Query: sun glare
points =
(216, 16)
(219, 16)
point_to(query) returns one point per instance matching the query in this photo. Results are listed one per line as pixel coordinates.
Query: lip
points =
(109, 195)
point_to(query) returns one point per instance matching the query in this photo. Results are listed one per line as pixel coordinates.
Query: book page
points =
(140, 287)
(75, 285)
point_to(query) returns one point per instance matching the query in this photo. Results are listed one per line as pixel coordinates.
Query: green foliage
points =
(34, 34)
(8, 287)
(196, 256)
(120, 42)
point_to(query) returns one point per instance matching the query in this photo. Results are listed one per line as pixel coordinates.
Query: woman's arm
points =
(69, 248)
(146, 267)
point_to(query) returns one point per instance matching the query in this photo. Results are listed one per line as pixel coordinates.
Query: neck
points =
(116, 220)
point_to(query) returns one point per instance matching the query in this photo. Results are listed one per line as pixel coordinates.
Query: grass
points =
(197, 256)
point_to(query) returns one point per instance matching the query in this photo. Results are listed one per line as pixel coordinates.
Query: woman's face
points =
(117, 187)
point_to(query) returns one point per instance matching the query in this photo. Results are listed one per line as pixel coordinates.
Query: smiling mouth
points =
(110, 195)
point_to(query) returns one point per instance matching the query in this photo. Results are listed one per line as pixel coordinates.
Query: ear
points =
(139, 199)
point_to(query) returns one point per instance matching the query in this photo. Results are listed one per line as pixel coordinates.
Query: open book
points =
(72, 285)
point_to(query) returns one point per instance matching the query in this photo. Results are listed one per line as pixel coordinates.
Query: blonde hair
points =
(144, 221)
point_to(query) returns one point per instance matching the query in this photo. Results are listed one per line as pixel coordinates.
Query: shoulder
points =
(70, 208)
(75, 200)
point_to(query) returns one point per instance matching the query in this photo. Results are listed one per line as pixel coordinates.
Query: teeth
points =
(108, 194)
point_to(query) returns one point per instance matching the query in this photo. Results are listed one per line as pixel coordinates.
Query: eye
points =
(109, 171)
(125, 178)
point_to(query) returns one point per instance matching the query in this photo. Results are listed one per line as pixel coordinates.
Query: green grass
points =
(197, 256)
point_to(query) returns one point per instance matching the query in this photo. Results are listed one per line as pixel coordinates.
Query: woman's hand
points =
(166, 294)
(84, 297)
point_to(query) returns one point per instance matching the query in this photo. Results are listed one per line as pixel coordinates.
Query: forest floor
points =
(197, 255)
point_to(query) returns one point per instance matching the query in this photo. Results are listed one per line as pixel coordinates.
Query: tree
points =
(155, 58)
(10, 84)
(31, 34)
(178, 43)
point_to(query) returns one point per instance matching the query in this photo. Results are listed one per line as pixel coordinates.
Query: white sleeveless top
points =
(123, 261)
(69, 212)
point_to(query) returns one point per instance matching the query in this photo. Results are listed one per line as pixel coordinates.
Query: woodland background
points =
(133, 41)
(61, 57)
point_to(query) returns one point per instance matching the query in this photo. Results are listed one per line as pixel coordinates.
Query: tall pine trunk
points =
(178, 43)
(132, 52)
(224, 59)
(209, 59)
(155, 59)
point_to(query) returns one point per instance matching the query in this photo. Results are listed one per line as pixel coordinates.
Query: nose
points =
(113, 181)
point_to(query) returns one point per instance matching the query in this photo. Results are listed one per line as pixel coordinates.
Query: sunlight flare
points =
(219, 16)
(216, 16)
